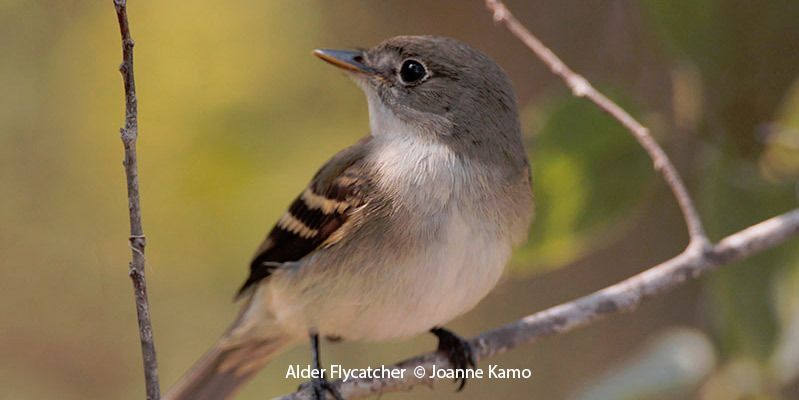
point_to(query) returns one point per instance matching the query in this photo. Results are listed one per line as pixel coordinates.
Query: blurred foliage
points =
(784, 362)
(236, 115)
(670, 365)
(780, 159)
(589, 175)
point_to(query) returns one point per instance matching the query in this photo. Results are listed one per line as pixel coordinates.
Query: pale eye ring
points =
(412, 71)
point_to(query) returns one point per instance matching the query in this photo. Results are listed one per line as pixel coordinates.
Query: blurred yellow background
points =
(235, 116)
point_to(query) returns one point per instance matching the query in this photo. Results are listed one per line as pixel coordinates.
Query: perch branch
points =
(129, 134)
(580, 87)
(622, 297)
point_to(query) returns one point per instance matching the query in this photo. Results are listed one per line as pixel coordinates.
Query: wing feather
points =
(315, 218)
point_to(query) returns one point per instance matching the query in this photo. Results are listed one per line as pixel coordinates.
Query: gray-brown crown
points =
(464, 95)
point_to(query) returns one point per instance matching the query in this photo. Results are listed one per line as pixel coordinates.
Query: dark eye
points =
(412, 71)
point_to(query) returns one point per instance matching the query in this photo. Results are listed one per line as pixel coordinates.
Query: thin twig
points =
(137, 240)
(622, 297)
(580, 87)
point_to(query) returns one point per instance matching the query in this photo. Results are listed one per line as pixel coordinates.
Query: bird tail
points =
(232, 361)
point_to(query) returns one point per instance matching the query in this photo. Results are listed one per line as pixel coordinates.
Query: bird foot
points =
(321, 387)
(457, 349)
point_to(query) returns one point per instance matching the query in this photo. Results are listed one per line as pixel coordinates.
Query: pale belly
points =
(407, 295)
(438, 288)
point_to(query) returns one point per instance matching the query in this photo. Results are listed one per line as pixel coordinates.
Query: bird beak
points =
(345, 59)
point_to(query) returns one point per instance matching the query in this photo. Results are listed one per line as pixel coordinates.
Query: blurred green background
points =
(236, 115)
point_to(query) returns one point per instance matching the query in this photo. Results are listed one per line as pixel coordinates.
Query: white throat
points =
(382, 121)
(421, 173)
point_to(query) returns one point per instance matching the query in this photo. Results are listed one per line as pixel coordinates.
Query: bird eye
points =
(412, 71)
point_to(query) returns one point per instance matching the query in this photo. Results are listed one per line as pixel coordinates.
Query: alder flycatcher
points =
(396, 235)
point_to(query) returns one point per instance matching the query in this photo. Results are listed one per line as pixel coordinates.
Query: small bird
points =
(396, 235)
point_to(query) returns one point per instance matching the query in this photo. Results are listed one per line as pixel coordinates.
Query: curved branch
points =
(580, 87)
(622, 297)
(137, 240)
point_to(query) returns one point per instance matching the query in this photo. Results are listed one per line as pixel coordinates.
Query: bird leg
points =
(319, 384)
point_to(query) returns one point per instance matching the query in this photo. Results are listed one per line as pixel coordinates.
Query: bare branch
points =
(137, 240)
(580, 87)
(622, 297)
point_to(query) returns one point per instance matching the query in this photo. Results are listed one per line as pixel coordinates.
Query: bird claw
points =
(458, 350)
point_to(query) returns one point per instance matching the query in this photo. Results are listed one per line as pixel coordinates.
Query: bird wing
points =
(317, 217)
